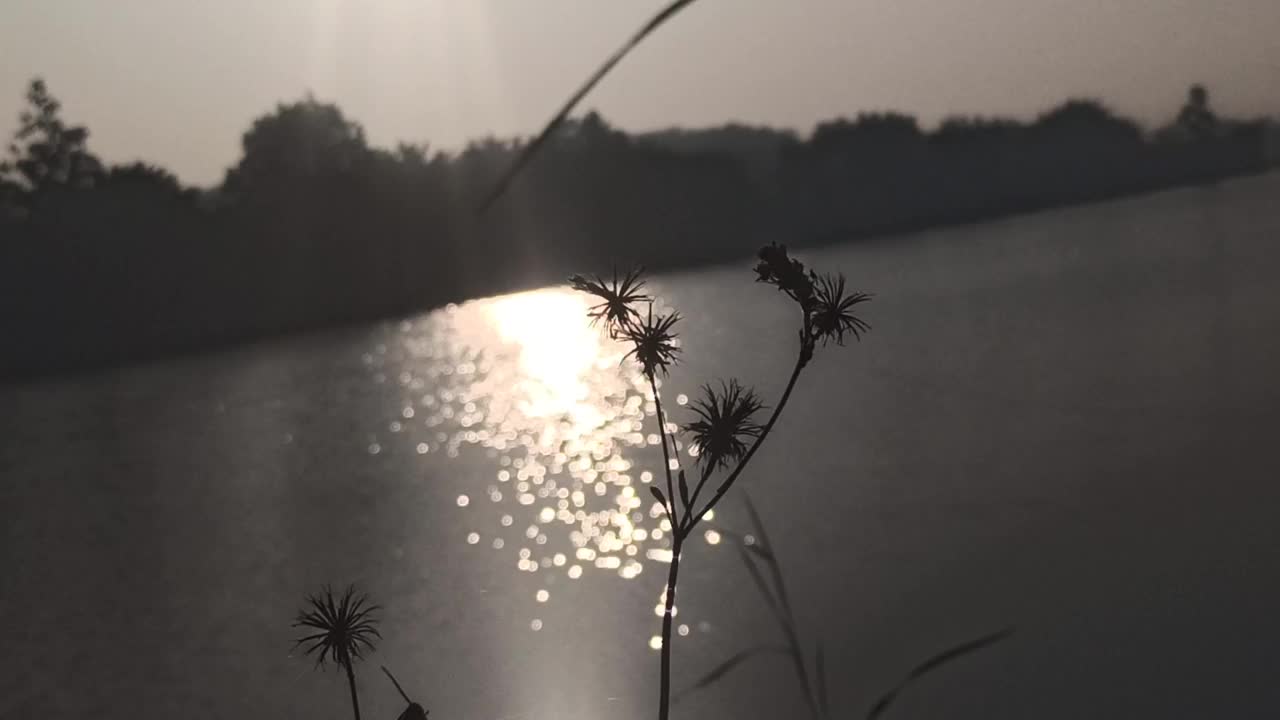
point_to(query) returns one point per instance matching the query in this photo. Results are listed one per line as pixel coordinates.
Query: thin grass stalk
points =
(668, 614)
(771, 558)
(790, 630)
(781, 607)
(798, 661)
(351, 680)
(666, 457)
(673, 573)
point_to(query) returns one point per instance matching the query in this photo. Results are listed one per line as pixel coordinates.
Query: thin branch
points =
(693, 501)
(666, 458)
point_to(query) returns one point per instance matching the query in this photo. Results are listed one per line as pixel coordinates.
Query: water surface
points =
(1064, 422)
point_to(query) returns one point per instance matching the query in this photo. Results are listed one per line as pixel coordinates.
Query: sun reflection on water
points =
(557, 351)
(529, 380)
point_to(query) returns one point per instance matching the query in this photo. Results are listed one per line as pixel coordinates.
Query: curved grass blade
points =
(558, 119)
(820, 669)
(934, 663)
(727, 666)
(763, 588)
(759, 550)
(774, 568)
(397, 684)
(750, 543)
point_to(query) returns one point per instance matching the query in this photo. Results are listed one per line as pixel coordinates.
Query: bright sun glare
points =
(529, 378)
(558, 347)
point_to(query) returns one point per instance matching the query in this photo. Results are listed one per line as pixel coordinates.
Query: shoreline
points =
(21, 370)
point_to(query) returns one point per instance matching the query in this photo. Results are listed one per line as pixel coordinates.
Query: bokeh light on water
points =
(543, 397)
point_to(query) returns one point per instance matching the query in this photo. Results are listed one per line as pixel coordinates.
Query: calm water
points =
(1065, 422)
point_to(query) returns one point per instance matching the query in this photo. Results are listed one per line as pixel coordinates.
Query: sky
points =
(176, 82)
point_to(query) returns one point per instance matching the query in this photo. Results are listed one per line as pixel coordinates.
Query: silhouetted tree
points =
(46, 153)
(141, 173)
(869, 131)
(1079, 121)
(759, 150)
(1080, 150)
(313, 226)
(1196, 119)
(862, 173)
(148, 182)
(298, 144)
(961, 131)
(11, 195)
(591, 132)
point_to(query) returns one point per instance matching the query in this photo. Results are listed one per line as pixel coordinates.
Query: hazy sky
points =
(177, 81)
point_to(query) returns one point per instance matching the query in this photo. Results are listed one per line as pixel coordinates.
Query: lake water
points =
(1067, 422)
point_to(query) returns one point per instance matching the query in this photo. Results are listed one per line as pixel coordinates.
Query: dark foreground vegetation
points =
(314, 227)
(703, 458)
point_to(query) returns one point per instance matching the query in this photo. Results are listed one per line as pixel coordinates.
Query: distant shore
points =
(19, 367)
(314, 228)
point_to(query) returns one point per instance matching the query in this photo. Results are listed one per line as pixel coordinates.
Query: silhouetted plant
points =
(653, 342)
(725, 423)
(725, 433)
(346, 629)
(832, 310)
(617, 298)
(755, 549)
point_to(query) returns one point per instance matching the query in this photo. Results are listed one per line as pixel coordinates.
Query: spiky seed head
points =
(832, 315)
(618, 298)
(345, 628)
(725, 423)
(653, 342)
(786, 273)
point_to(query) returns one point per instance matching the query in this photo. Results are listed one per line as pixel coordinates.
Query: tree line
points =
(313, 226)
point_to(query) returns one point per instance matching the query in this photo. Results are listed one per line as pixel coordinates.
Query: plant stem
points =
(351, 680)
(697, 515)
(666, 458)
(664, 699)
(693, 501)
